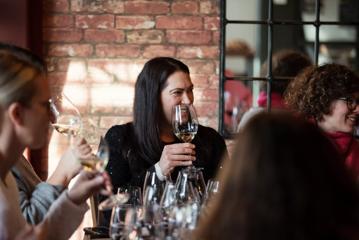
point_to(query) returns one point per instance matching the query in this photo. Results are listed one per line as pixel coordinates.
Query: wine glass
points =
(186, 192)
(67, 117)
(211, 190)
(99, 162)
(184, 122)
(185, 127)
(123, 218)
(151, 180)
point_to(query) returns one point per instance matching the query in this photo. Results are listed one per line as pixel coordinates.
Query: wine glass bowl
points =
(67, 118)
(184, 122)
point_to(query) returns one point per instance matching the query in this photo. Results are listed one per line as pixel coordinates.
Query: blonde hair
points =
(17, 76)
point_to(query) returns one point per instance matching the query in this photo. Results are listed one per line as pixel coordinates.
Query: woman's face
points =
(178, 89)
(343, 116)
(37, 115)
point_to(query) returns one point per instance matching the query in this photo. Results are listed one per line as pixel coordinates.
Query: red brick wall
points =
(109, 40)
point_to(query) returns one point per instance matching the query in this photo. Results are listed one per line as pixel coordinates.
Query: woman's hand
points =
(178, 154)
(69, 164)
(89, 183)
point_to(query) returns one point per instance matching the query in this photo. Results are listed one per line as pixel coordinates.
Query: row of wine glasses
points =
(164, 214)
(170, 210)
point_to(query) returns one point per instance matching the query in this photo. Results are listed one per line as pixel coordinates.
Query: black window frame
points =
(270, 22)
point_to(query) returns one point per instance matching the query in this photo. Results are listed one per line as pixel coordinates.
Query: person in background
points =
(286, 64)
(328, 96)
(237, 95)
(24, 101)
(148, 143)
(37, 196)
(285, 180)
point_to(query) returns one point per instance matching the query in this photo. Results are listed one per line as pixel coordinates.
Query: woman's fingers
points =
(180, 154)
(180, 163)
(84, 150)
(182, 158)
(181, 148)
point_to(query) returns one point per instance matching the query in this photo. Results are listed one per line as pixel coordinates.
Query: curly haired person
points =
(329, 95)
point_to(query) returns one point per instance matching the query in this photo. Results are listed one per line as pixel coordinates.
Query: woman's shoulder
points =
(208, 132)
(116, 132)
(120, 129)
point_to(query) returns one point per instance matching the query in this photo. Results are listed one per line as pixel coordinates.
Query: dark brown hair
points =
(312, 92)
(286, 64)
(284, 181)
(147, 106)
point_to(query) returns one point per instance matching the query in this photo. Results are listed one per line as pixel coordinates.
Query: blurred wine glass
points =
(99, 162)
(186, 192)
(121, 218)
(168, 199)
(67, 117)
(195, 176)
(151, 180)
(211, 190)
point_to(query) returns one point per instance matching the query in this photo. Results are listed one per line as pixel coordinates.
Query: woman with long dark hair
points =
(148, 143)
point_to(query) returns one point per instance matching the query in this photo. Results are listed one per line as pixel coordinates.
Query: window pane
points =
(239, 97)
(289, 10)
(338, 44)
(340, 53)
(243, 44)
(246, 10)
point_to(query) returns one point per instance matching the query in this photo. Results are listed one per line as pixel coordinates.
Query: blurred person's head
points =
(284, 181)
(286, 64)
(24, 95)
(162, 83)
(327, 94)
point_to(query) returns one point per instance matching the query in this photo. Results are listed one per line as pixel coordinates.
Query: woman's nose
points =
(186, 99)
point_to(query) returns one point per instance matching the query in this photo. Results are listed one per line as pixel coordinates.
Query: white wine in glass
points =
(99, 160)
(184, 122)
(67, 117)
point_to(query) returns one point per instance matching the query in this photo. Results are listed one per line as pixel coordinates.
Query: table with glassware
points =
(165, 210)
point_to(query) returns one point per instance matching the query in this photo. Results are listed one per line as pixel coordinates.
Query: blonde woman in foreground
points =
(25, 114)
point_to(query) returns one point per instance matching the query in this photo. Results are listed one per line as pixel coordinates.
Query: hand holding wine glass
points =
(185, 126)
(99, 162)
